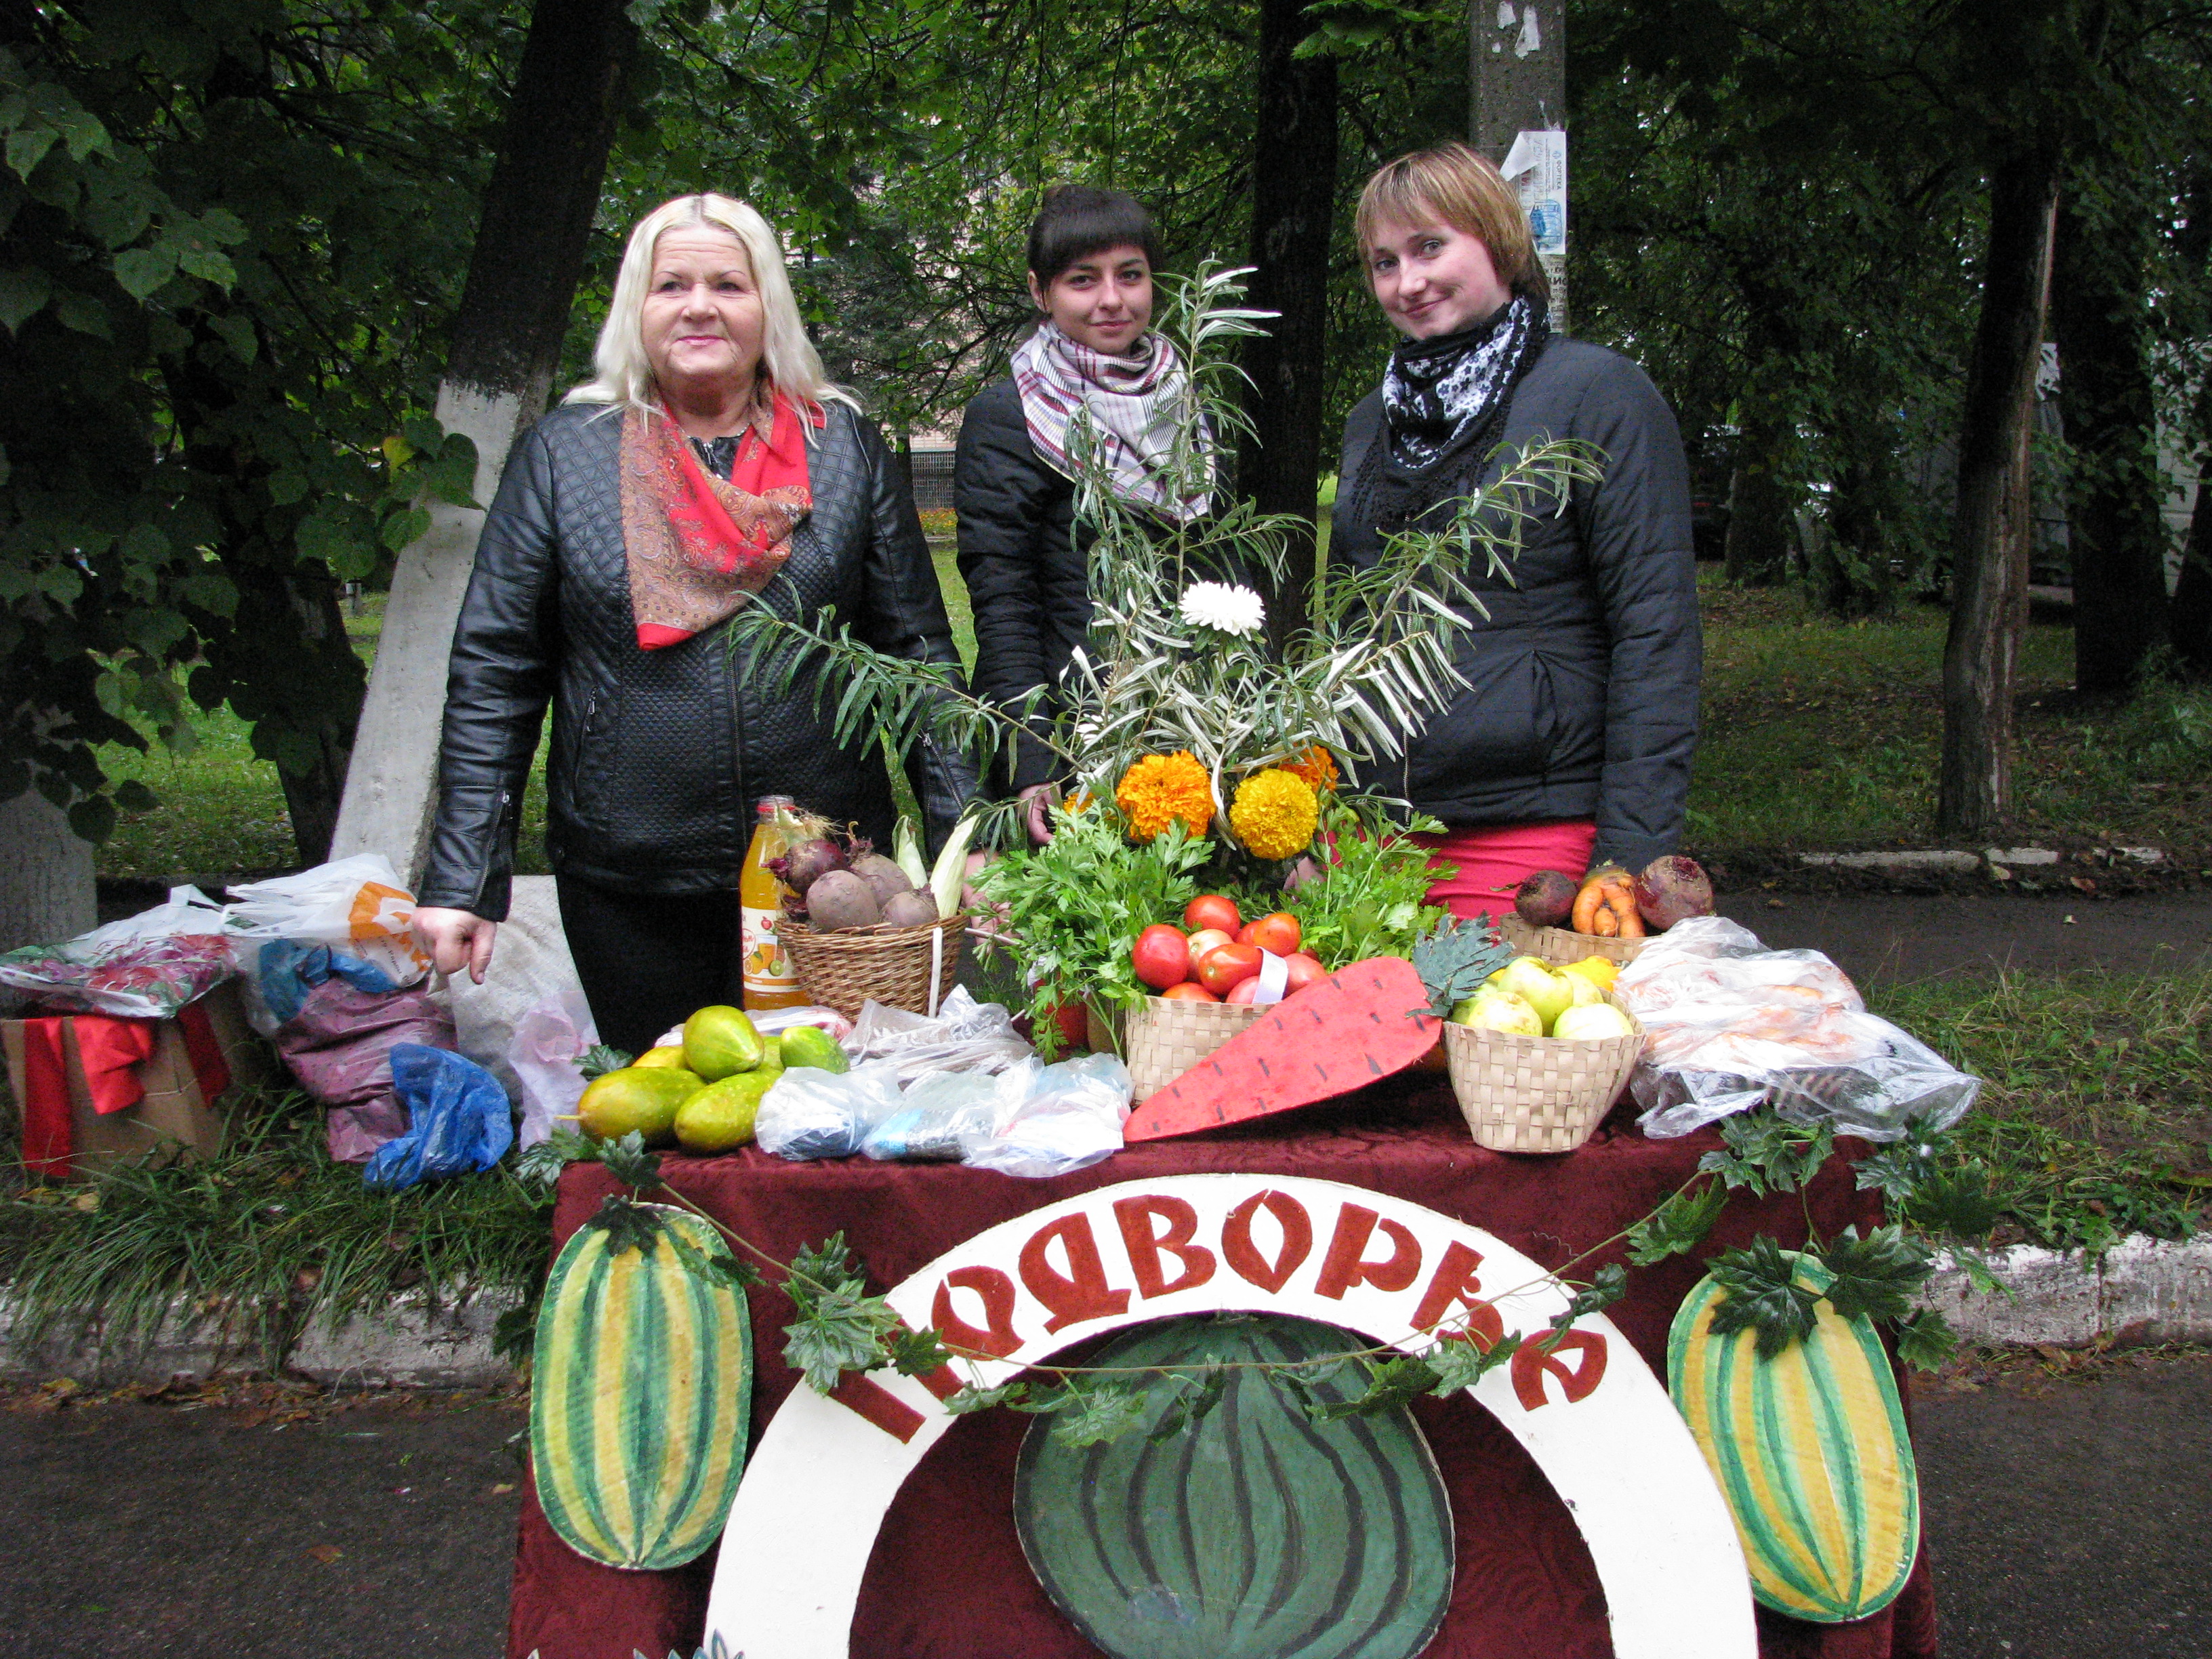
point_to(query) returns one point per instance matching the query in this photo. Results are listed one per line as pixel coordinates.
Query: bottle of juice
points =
(770, 981)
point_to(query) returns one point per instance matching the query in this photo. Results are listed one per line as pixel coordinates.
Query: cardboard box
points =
(173, 1114)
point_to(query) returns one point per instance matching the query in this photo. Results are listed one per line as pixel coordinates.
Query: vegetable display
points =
(1610, 903)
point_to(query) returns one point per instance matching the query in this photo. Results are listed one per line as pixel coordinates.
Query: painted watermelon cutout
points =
(638, 1397)
(1254, 1535)
(1339, 1034)
(1810, 1450)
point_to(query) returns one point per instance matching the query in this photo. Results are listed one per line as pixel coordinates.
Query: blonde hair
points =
(789, 362)
(1458, 184)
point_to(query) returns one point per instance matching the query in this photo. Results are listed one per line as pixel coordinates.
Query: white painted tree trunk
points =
(45, 874)
(391, 785)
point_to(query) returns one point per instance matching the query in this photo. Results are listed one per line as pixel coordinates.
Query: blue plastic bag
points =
(458, 1119)
(289, 969)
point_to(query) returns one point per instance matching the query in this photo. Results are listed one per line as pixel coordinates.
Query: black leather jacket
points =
(1581, 693)
(658, 756)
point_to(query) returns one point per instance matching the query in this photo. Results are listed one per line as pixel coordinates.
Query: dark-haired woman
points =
(1092, 253)
(1570, 744)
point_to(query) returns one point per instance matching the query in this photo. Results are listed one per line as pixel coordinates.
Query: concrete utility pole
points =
(1517, 116)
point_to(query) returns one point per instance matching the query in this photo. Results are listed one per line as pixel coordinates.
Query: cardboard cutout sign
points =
(1591, 1413)
(1362, 1023)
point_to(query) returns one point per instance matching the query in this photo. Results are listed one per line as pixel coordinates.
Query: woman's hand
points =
(1041, 798)
(456, 939)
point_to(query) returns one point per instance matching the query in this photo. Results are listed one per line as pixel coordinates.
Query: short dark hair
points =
(1077, 221)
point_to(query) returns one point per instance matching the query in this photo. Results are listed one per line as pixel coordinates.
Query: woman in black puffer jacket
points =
(1571, 744)
(708, 466)
(1092, 253)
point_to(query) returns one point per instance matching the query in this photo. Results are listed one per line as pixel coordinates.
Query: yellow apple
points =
(1592, 1023)
(1492, 1010)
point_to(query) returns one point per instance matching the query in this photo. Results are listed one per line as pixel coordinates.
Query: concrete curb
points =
(2150, 1289)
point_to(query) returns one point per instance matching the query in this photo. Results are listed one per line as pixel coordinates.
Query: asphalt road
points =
(2068, 1518)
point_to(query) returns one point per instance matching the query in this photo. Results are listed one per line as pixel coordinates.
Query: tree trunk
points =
(523, 271)
(1758, 549)
(1293, 203)
(2114, 527)
(47, 891)
(1990, 534)
(2188, 618)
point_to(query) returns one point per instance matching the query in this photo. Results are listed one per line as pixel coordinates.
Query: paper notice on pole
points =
(1537, 166)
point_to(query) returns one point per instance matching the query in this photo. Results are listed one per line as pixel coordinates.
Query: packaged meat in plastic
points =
(144, 967)
(1731, 1024)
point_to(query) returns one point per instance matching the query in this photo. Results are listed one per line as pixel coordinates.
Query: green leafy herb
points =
(1677, 1226)
(1455, 957)
(1763, 1294)
(1372, 898)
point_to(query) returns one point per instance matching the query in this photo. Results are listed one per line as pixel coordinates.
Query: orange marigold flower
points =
(1317, 767)
(1161, 788)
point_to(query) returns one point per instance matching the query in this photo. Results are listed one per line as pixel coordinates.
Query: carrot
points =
(1584, 919)
(1631, 921)
(1604, 923)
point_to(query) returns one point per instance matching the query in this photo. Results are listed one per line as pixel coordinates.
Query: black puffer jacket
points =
(1024, 563)
(658, 756)
(1582, 698)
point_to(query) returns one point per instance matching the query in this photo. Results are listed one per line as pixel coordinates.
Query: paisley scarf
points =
(699, 547)
(1134, 405)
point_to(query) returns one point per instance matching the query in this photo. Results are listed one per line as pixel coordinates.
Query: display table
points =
(947, 1579)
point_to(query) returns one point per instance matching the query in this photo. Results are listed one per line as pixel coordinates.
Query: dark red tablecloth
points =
(947, 1579)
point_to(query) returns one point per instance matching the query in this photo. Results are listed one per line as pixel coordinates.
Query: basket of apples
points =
(1212, 977)
(1538, 1053)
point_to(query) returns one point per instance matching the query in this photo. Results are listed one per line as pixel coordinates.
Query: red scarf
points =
(698, 547)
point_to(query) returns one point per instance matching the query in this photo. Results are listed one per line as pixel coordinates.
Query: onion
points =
(806, 864)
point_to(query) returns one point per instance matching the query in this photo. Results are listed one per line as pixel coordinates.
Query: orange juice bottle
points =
(770, 981)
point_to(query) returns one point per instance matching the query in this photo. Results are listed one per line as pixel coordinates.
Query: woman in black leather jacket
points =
(1090, 257)
(708, 462)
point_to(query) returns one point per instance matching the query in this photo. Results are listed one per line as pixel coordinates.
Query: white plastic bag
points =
(1731, 1024)
(810, 1113)
(143, 966)
(356, 906)
(1056, 1119)
(528, 1023)
(940, 1116)
(964, 1036)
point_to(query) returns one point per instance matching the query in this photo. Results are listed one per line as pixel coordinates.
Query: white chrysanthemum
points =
(1218, 605)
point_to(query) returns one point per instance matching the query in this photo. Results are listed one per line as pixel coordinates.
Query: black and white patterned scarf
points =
(1134, 404)
(1445, 402)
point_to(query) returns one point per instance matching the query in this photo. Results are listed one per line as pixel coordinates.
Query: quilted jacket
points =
(1581, 693)
(658, 756)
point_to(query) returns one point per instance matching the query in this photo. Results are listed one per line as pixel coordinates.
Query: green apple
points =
(1549, 991)
(1592, 1023)
(1492, 1010)
(1585, 991)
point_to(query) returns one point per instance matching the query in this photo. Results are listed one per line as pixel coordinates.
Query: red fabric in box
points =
(947, 1579)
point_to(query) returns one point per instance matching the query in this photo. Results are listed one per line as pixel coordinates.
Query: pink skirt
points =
(1494, 861)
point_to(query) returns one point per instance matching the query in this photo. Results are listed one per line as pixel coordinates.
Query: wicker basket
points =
(1168, 1035)
(1562, 944)
(909, 968)
(1524, 1094)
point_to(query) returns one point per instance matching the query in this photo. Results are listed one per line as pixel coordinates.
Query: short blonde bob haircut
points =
(1463, 188)
(789, 362)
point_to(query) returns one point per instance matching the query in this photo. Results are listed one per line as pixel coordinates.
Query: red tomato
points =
(1304, 970)
(1278, 933)
(1243, 991)
(1161, 956)
(1189, 991)
(1204, 941)
(1212, 910)
(1074, 1021)
(1225, 966)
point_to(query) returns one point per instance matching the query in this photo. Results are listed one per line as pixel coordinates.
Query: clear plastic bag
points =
(1732, 1025)
(964, 1036)
(810, 1113)
(356, 906)
(144, 967)
(1056, 1119)
(940, 1116)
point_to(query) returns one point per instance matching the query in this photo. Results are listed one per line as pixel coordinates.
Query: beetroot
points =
(804, 864)
(1671, 890)
(1547, 899)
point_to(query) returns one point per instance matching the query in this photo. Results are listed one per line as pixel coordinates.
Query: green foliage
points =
(1679, 1225)
(600, 1059)
(628, 1226)
(1454, 958)
(1763, 1295)
(1372, 897)
(840, 1327)
(1769, 1154)
(1875, 1276)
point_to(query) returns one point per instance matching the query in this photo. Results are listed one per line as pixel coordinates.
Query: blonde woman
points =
(1569, 743)
(707, 459)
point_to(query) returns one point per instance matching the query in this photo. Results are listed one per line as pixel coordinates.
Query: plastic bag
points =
(144, 967)
(528, 1021)
(1732, 1025)
(548, 1042)
(1057, 1118)
(356, 906)
(458, 1119)
(810, 1113)
(940, 1116)
(964, 1036)
(339, 1047)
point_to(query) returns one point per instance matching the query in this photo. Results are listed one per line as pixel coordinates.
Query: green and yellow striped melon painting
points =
(1810, 1450)
(638, 1397)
